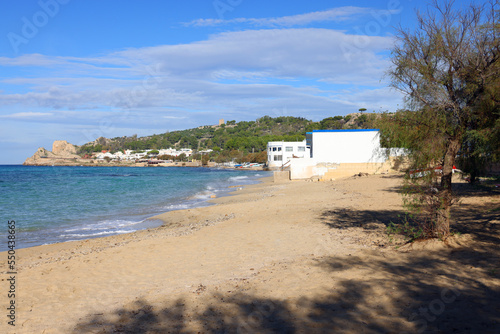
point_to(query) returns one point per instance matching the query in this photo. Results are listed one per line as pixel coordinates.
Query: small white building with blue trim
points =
(280, 153)
(337, 153)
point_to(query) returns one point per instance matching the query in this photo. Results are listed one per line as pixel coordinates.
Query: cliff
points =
(63, 153)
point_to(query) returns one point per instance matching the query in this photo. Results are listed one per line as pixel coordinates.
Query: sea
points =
(51, 204)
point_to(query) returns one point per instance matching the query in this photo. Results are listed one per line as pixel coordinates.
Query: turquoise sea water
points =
(57, 204)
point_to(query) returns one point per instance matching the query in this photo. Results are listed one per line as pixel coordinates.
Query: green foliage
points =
(481, 140)
(407, 229)
(235, 140)
(205, 159)
(419, 132)
(332, 123)
(260, 157)
(448, 67)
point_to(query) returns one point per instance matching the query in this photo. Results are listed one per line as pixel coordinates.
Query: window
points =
(278, 158)
(289, 149)
(302, 148)
(274, 149)
(279, 149)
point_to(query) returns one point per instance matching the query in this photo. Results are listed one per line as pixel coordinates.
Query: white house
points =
(187, 151)
(170, 151)
(279, 153)
(119, 155)
(346, 146)
(332, 153)
(102, 156)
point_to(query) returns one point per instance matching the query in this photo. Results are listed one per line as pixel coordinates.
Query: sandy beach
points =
(293, 257)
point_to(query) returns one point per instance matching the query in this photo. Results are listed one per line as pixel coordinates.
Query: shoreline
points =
(142, 164)
(134, 213)
(146, 220)
(272, 257)
(236, 190)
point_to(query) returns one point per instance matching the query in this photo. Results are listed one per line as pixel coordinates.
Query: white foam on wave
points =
(204, 195)
(89, 235)
(105, 225)
(173, 207)
(238, 178)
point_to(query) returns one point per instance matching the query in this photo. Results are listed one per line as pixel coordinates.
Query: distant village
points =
(323, 155)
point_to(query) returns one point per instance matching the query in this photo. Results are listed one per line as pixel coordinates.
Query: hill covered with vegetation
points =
(245, 141)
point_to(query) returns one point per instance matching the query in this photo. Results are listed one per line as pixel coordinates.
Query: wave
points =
(95, 204)
(203, 195)
(90, 235)
(238, 178)
(105, 225)
(173, 207)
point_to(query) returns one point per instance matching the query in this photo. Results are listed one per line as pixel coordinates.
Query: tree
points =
(445, 68)
(481, 144)
(154, 152)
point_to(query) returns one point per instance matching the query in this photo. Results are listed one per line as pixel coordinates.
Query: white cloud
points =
(29, 60)
(312, 73)
(334, 14)
(313, 53)
(27, 115)
(218, 72)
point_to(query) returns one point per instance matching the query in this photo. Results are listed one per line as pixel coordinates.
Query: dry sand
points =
(297, 257)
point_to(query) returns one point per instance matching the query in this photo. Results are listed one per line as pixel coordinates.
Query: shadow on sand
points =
(426, 296)
(455, 290)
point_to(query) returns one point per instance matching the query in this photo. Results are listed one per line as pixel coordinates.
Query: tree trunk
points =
(444, 211)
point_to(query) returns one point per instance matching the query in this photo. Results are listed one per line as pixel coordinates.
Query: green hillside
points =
(233, 139)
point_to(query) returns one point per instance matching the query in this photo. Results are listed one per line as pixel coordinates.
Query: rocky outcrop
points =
(101, 141)
(63, 153)
(64, 149)
(40, 157)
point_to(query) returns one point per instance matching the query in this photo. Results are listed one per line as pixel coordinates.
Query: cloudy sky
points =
(79, 69)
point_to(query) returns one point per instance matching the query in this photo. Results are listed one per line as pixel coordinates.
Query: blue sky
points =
(79, 69)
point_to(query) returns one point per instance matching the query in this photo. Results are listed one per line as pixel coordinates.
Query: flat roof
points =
(348, 130)
(286, 142)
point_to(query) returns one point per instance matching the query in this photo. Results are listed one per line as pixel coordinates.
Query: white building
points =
(187, 151)
(170, 151)
(280, 153)
(119, 155)
(102, 156)
(332, 153)
(346, 146)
